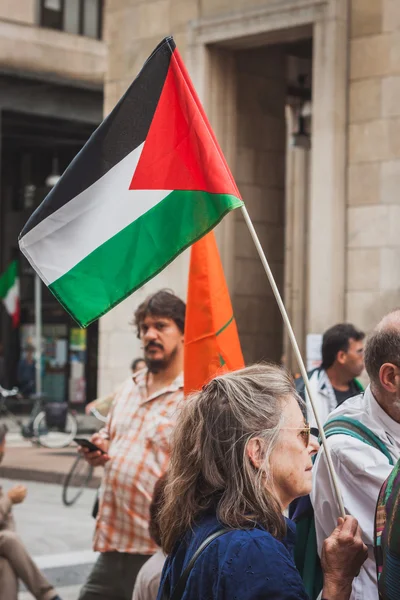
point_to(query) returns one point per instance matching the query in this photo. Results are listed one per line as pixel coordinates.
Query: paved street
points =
(59, 538)
(31, 462)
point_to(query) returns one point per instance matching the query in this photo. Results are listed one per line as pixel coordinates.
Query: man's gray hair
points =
(383, 345)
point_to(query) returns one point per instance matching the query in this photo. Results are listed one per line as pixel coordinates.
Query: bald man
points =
(362, 469)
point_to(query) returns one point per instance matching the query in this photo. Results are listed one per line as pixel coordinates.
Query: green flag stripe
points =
(225, 326)
(136, 254)
(7, 279)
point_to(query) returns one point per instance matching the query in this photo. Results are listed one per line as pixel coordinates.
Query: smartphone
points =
(88, 444)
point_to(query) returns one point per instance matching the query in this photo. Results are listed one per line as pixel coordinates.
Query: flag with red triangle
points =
(150, 181)
(212, 343)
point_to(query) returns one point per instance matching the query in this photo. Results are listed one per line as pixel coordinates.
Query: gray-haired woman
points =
(241, 453)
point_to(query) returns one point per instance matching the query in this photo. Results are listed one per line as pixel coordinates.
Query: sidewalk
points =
(30, 462)
(33, 463)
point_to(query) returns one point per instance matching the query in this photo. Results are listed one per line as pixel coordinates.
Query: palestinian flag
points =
(212, 343)
(150, 181)
(9, 291)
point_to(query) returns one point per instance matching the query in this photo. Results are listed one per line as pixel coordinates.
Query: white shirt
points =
(323, 395)
(361, 471)
(148, 579)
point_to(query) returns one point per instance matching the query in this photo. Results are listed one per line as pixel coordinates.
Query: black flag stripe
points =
(125, 128)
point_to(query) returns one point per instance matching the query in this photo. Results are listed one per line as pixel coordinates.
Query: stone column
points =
(296, 210)
(373, 241)
(221, 109)
(327, 225)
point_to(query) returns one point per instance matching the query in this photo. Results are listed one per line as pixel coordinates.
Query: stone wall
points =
(355, 279)
(260, 175)
(131, 32)
(373, 239)
(27, 48)
(22, 11)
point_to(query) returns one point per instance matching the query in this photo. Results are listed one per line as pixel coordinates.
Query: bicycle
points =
(80, 475)
(41, 428)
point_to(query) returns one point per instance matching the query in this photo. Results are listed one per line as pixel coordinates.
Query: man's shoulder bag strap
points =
(355, 429)
(180, 586)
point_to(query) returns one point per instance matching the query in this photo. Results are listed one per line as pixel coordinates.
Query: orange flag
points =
(211, 339)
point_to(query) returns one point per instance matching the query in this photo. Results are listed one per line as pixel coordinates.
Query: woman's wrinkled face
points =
(290, 460)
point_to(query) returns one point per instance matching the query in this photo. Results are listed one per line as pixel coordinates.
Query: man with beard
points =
(135, 450)
(362, 467)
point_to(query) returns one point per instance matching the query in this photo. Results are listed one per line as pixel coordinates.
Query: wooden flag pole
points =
(38, 334)
(299, 358)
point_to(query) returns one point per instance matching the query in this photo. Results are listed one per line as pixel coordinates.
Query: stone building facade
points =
(304, 97)
(326, 209)
(373, 162)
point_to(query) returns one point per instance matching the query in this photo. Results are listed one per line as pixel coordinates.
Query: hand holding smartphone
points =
(85, 443)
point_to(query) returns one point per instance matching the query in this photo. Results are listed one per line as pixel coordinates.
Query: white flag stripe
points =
(62, 240)
(11, 298)
(84, 201)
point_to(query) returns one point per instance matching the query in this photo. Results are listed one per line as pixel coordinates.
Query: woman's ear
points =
(255, 452)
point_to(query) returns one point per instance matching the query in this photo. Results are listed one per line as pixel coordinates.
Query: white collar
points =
(324, 385)
(378, 415)
(140, 379)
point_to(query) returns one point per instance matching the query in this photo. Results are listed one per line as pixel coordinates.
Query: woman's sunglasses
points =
(305, 432)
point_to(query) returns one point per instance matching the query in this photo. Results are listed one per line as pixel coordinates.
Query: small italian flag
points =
(9, 291)
(150, 181)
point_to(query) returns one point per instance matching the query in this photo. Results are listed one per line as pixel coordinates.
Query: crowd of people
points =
(227, 494)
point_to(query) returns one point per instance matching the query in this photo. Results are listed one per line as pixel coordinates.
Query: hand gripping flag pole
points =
(296, 349)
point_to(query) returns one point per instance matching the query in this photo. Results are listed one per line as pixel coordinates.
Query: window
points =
(72, 16)
(51, 14)
(81, 17)
(91, 18)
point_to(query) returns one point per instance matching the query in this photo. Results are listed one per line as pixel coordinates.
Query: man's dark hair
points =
(156, 504)
(162, 304)
(337, 339)
(383, 346)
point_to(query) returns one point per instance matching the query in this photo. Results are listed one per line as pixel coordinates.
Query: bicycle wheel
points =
(53, 437)
(76, 481)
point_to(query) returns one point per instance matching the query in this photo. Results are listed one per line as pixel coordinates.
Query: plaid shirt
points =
(139, 428)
